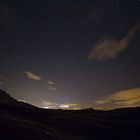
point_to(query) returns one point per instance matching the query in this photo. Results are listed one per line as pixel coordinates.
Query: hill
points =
(23, 121)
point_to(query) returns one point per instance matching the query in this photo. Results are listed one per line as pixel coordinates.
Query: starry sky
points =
(71, 53)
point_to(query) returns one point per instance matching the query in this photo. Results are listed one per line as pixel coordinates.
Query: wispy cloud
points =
(50, 82)
(51, 85)
(32, 76)
(109, 48)
(125, 98)
(51, 88)
(52, 105)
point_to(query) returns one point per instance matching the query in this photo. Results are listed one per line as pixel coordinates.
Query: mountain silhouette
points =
(5, 98)
(23, 121)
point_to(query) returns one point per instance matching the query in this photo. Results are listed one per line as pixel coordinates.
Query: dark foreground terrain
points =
(21, 121)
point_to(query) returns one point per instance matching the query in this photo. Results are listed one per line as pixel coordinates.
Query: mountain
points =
(26, 122)
(5, 98)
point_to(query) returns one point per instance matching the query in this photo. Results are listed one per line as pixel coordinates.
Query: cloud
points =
(109, 48)
(125, 98)
(32, 76)
(51, 85)
(51, 88)
(50, 82)
(52, 105)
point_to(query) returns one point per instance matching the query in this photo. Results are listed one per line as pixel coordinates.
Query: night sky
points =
(71, 53)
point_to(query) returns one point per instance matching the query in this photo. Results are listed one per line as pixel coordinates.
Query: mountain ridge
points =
(23, 121)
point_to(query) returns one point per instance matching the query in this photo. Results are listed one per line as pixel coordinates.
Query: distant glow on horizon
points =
(46, 107)
(51, 105)
(64, 106)
(57, 107)
(22, 101)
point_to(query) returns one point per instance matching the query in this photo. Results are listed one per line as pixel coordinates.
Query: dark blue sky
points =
(70, 51)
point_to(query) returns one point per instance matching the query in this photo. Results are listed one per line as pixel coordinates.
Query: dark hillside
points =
(23, 121)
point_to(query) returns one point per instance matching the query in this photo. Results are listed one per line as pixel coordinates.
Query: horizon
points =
(67, 107)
